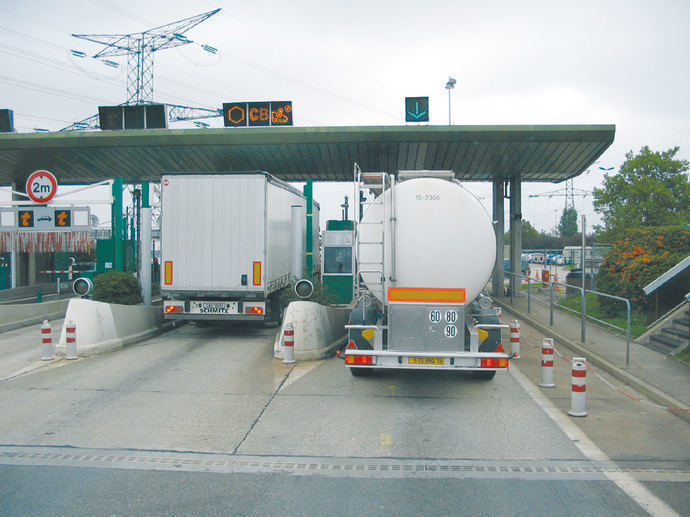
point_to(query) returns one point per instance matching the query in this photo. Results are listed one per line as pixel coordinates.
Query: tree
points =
(651, 189)
(639, 258)
(568, 224)
(527, 231)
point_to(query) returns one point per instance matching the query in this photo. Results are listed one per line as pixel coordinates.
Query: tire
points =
(485, 375)
(361, 372)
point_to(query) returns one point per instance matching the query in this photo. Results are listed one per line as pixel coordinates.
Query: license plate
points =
(209, 305)
(436, 361)
(211, 308)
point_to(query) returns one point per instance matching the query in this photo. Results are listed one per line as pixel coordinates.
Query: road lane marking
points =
(633, 488)
(300, 370)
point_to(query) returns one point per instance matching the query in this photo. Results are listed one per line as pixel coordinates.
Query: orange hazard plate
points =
(434, 361)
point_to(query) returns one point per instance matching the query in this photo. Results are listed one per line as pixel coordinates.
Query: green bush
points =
(640, 258)
(117, 287)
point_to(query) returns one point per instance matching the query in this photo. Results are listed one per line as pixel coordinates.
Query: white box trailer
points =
(226, 241)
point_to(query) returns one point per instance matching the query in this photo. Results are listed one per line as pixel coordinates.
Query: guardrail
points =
(518, 279)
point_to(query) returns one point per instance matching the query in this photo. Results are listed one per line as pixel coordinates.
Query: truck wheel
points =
(487, 375)
(361, 372)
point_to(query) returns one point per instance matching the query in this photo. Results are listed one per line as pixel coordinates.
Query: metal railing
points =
(551, 285)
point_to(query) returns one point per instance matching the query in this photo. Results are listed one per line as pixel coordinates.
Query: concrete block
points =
(319, 330)
(20, 315)
(104, 326)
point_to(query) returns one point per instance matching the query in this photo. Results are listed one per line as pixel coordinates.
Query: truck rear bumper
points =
(215, 317)
(219, 310)
(408, 360)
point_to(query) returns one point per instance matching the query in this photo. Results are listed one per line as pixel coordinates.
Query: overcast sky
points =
(352, 63)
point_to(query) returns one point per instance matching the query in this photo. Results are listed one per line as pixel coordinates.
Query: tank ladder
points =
(377, 183)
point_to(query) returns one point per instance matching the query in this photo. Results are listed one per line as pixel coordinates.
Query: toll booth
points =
(4, 271)
(104, 254)
(337, 264)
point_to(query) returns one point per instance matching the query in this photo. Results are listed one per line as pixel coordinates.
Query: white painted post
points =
(297, 251)
(578, 393)
(289, 344)
(547, 363)
(145, 259)
(71, 345)
(47, 341)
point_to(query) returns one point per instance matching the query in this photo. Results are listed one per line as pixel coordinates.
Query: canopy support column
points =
(515, 231)
(499, 216)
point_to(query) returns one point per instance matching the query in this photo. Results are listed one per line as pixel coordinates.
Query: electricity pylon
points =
(139, 48)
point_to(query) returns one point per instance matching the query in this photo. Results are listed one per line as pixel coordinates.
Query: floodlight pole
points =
(449, 86)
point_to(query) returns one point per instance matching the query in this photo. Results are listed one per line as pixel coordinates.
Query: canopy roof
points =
(475, 153)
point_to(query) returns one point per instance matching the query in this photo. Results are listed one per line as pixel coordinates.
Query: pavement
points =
(662, 379)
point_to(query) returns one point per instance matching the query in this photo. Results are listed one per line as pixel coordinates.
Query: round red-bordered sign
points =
(41, 186)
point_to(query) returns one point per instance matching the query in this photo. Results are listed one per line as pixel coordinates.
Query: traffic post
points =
(578, 392)
(547, 363)
(47, 341)
(71, 341)
(515, 339)
(289, 344)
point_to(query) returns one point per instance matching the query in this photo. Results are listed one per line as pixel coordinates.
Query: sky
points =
(353, 63)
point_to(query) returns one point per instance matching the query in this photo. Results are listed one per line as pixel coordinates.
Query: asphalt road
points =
(203, 419)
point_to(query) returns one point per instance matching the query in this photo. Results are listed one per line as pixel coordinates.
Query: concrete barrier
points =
(106, 326)
(319, 330)
(20, 315)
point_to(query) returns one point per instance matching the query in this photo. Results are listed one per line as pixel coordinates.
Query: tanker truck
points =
(425, 249)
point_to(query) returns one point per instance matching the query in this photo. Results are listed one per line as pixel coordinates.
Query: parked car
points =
(524, 266)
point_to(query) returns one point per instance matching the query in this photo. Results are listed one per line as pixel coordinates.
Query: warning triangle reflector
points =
(351, 345)
(499, 349)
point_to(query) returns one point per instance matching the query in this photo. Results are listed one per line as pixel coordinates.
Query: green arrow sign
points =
(416, 109)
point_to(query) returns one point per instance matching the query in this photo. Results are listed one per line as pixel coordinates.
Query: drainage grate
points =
(348, 466)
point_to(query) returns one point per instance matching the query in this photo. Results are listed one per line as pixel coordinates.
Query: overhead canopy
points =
(474, 153)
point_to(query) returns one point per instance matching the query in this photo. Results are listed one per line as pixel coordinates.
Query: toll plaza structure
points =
(504, 155)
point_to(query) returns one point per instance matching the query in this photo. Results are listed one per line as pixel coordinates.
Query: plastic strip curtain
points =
(41, 242)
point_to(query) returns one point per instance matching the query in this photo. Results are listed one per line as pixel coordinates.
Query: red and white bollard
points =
(547, 363)
(578, 394)
(515, 339)
(71, 346)
(289, 344)
(47, 341)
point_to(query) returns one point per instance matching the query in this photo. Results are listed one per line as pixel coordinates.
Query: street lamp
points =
(555, 222)
(449, 86)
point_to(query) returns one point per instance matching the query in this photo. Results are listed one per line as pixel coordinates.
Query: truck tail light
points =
(167, 272)
(494, 362)
(359, 359)
(254, 310)
(174, 308)
(256, 276)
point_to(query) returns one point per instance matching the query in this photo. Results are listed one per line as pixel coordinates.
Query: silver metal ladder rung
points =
(370, 222)
(371, 242)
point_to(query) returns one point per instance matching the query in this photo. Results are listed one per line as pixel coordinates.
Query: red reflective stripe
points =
(289, 332)
(47, 340)
(45, 330)
(579, 389)
(548, 351)
(547, 363)
(579, 373)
